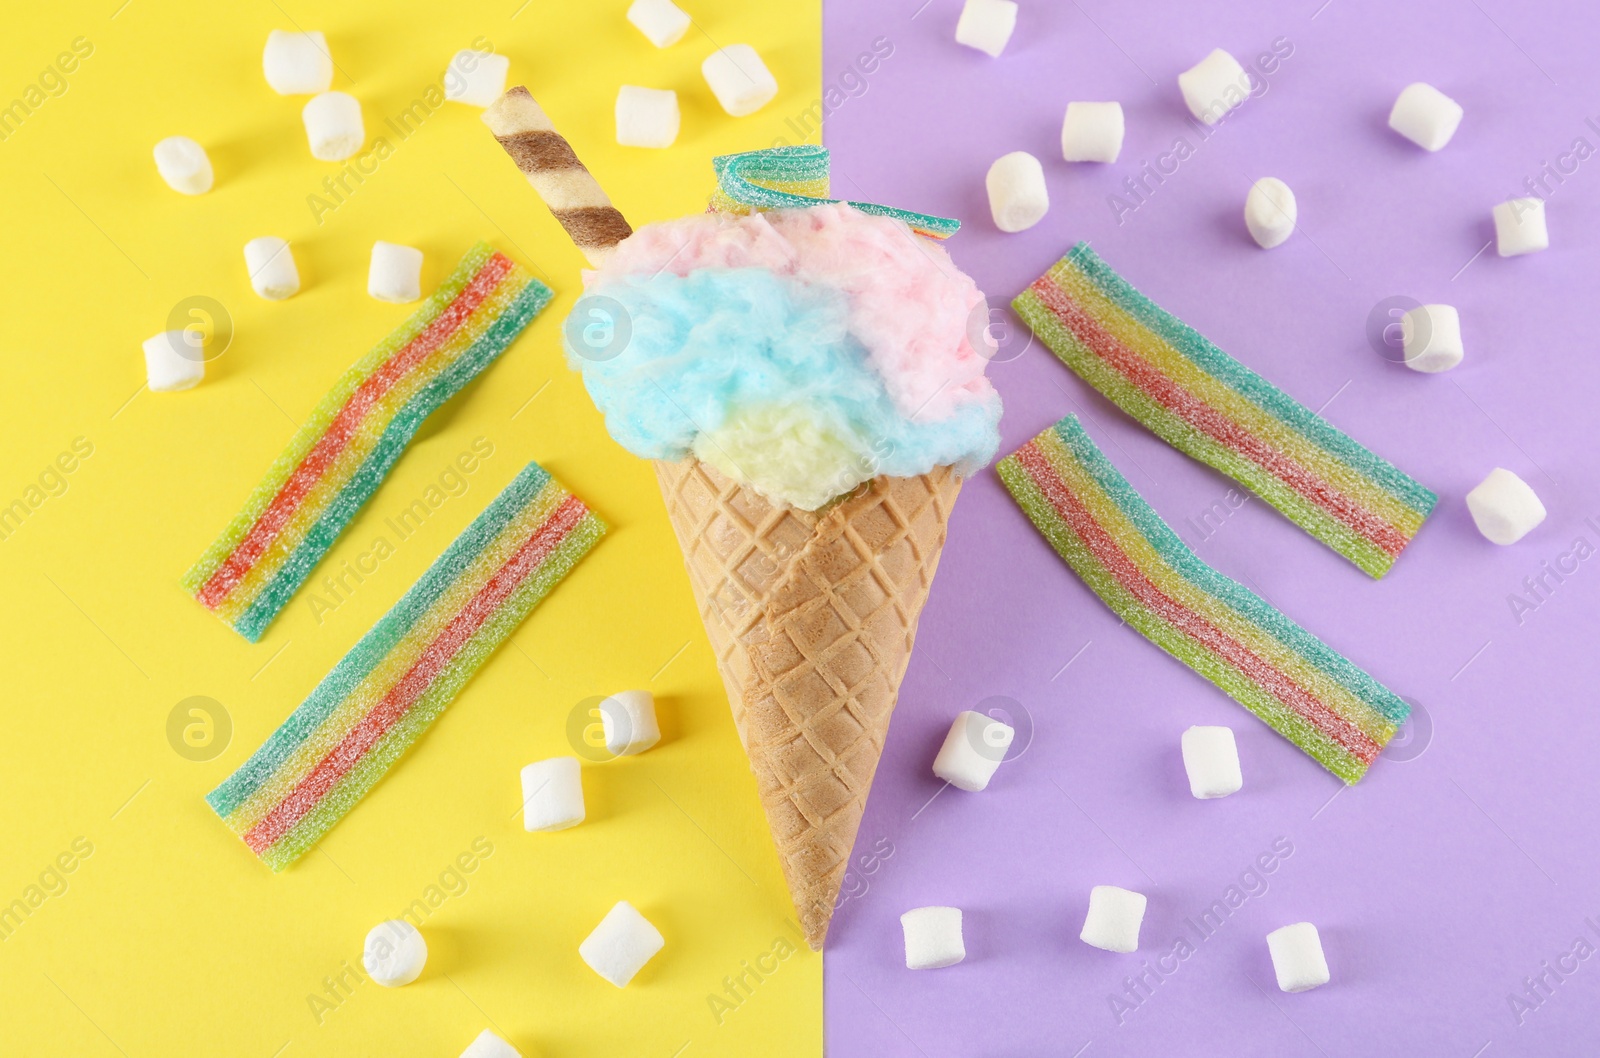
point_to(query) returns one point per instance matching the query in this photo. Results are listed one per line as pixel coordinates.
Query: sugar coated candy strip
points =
(347, 447)
(790, 177)
(1203, 402)
(1122, 549)
(380, 698)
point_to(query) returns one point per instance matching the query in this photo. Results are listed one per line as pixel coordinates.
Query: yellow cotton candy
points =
(786, 454)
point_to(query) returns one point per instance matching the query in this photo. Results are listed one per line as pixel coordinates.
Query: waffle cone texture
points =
(812, 616)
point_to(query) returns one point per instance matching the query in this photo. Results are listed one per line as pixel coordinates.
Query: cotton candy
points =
(800, 351)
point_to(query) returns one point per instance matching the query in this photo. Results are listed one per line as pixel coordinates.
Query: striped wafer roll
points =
(547, 160)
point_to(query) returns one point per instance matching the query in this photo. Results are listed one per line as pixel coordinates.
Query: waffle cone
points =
(812, 616)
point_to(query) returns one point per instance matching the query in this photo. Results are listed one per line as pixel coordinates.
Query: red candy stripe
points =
(1200, 415)
(345, 425)
(398, 701)
(1192, 624)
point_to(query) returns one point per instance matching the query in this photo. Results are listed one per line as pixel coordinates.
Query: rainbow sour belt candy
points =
(1205, 403)
(380, 698)
(791, 177)
(345, 450)
(1137, 565)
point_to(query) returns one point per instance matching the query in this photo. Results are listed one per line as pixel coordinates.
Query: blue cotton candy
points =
(687, 358)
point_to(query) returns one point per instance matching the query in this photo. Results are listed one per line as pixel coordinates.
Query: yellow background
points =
(170, 938)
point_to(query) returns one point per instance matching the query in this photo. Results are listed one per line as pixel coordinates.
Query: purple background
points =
(1465, 861)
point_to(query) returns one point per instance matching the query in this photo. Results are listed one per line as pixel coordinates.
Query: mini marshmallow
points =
(297, 64)
(1017, 195)
(1297, 957)
(987, 25)
(972, 751)
(1504, 508)
(488, 1045)
(173, 361)
(333, 126)
(394, 953)
(395, 273)
(1113, 919)
(1519, 227)
(1214, 86)
(628, 719)
(1092, 132)
(552, 794)
(183, 164)
(476, 78)
(1211, 758)
(933, 937)
(646, 117)
(739, 79)
(1425, 116)
(271, 268)
(1270, 212)
(662, 21)
(1430, 336)
(621, 944)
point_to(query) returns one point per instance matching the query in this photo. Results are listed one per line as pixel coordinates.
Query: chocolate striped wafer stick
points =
(547, 160)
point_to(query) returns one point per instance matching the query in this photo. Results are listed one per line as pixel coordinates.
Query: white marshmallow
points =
(1211, 759)
(1092, 132)
(1214, 86)
(395, 273)
(1017, 195)
(174, 361)
(1519, 227)
(628, 719)
(662, 21)
(394, 953)
(297, 64)
(1430, 336)
(1504, 508)
(987, 25)
(1297, 957)
(333, 126)
(933, 937)
(476, 78)
(271, 267)
(972, 751)
(183, 164)
(646, 117)
(488, 1045)
(621, 944)
(1270, 212)
(1425, 116)
(1113, 919)
(552, 794)
(739, 79)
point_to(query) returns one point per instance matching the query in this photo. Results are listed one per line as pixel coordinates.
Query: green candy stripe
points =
(388, 749)
(1170, 428)
(1354, 461)
(1224, 368)
(737, 176)
(276, 593)
(1071, 442)
(323, 415)
(525, 489)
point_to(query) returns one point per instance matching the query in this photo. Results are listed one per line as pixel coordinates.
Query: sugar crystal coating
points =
(356, 434)
(400, 676)
(1139, 567)
(1203, 402)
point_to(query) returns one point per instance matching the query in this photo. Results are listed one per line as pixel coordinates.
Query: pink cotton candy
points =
(911, 308)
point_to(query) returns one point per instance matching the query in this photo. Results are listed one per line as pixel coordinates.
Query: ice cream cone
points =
(812, 616)
(812, 613)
